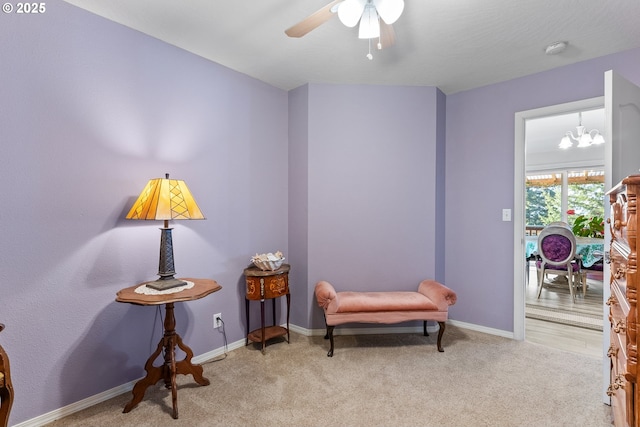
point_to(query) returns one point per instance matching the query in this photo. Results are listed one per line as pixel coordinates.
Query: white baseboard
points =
(490, 331)
(77, 406)
(203, 358)
(116, 391)
(217, 352)
(400, 330)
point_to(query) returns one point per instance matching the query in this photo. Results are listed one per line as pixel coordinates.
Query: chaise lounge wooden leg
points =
(424, 327)
(440, 333)
(330, 336)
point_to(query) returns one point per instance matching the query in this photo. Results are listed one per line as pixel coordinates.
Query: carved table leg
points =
(170, 368)
(246, 309)
(6, 388)
(170, 376)
(288, 307)
(6, 398)
(185, 367)
(273, 311)
(262, 327)
(154, 374)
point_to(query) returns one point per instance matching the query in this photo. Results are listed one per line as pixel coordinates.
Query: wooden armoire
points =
(623, 302)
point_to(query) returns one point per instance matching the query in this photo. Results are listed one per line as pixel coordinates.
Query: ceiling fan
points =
(375, 17)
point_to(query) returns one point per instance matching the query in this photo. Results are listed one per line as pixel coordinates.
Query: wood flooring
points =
(564, 337)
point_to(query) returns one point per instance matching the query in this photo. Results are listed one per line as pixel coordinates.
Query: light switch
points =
(506, 214)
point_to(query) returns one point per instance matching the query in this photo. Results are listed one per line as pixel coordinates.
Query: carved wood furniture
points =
(170, 368)
(263, 285)
(623, 310)
(430, 302)
(6, 389)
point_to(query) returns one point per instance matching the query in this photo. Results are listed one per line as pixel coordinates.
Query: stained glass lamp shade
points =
(165, 199)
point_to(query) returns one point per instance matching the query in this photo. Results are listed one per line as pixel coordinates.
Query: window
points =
(564, 196)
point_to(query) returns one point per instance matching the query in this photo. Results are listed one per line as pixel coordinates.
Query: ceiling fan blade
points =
(312, 21)
(387, 35)
(389, 10)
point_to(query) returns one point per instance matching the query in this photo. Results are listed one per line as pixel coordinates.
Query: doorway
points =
(522, 121)
(564, 183)
(622, 114)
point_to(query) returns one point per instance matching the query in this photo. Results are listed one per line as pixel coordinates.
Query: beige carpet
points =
(378, 380)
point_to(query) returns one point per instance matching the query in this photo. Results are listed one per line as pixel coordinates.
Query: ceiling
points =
(453, 45)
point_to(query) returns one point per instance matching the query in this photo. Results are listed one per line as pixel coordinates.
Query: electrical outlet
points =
(217, 320)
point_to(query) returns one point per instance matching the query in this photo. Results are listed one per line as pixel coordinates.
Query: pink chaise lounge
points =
(430, 302)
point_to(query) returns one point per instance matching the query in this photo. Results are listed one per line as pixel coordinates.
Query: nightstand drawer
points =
(267, 287)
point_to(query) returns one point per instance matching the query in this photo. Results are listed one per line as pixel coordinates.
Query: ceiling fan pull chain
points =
(369, 55)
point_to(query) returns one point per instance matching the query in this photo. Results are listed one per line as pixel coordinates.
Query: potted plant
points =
(589, 227)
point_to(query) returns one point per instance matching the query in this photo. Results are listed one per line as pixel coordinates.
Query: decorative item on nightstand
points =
(268, 262)
(165, 199)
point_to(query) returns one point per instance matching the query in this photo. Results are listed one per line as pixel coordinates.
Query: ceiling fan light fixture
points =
(369, 24)
(374, 23)
(350, 11)
(389, 10)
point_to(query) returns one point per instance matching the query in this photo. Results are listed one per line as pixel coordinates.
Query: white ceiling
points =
(454, 45)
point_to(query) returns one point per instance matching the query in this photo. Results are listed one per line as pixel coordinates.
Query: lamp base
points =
(164, 284)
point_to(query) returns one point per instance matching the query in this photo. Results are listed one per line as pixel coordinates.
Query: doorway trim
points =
(519, 176)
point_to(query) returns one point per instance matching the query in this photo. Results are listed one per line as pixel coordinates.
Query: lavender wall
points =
(371, 187)
(440, 196)
(479, 179)
(89, 111)
(301, 294)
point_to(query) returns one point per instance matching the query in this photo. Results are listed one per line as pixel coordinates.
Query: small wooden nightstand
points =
(262, 285)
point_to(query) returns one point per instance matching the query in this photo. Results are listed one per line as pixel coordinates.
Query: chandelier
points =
(583, 137)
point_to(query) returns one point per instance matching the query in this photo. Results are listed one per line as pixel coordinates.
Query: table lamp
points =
(165, 199)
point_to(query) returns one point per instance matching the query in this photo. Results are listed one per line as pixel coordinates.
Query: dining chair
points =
(560, 224)
(557, 256)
